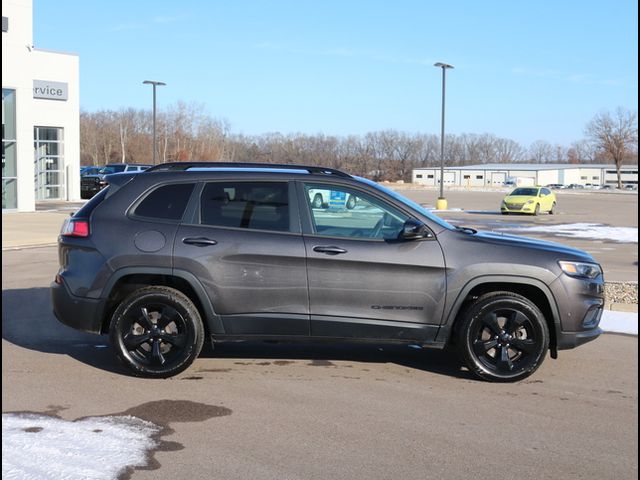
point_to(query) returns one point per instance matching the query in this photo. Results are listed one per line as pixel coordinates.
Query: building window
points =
(49, 163)
(419, 175)
(466, 177)
(584, 178)
(429, 176)
(479, 177)
(596, 177)
(9, 158)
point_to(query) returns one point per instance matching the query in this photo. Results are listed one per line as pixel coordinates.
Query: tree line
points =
(185, 132)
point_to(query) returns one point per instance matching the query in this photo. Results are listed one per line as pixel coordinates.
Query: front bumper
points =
(580, 303)
(83, 314)
(518, 208)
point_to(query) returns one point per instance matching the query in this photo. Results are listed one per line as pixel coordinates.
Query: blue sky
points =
(525, 70)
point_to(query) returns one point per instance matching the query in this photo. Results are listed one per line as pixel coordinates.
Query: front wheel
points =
(156, 332)
(317, 201)
(536, 211)
(553, 206)
(503, 337)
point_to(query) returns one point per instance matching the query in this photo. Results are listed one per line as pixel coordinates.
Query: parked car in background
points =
(576, 186)
(89, 170)
(630, 187)
(321, 198)
(606, 187)
(90, 184)
(532, 200)
(556, 186)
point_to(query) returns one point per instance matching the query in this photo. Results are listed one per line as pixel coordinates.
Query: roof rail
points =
(182, 166)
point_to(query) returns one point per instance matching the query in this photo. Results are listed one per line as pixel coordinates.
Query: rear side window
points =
(251, 205)
(166, 203)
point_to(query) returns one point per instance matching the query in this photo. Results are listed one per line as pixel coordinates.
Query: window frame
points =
(144, 195)
(192, 214)
(308, 227)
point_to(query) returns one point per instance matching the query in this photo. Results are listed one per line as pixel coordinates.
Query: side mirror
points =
(413, 230)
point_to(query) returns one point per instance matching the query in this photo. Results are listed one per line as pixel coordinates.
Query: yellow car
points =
(532, 200)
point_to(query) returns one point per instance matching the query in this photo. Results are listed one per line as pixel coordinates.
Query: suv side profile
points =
(182, 252)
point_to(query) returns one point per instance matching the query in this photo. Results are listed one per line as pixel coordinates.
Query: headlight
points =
(581, 269)
(529, 202)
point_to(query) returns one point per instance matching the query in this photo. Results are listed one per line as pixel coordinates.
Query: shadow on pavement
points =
(28, 322)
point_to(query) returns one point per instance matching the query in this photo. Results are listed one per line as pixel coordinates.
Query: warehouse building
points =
(40, 116)
(496, 175)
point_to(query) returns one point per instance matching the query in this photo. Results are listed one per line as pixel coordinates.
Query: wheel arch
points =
(126, 280)
(530, 288)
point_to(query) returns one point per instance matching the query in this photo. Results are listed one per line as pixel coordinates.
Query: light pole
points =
(154, 84)
(441, 203)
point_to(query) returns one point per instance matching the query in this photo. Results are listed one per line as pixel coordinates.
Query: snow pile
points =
(37, 446)
(595, 231)
(619, 322)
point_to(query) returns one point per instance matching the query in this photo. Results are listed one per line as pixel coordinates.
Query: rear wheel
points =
(503, 337)
(156, 332)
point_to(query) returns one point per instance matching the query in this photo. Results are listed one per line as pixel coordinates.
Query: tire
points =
(317, 201)
(503, 337)
(553, 206)
(156, 332)
(505, 213)
(536, 211)
(351, 202)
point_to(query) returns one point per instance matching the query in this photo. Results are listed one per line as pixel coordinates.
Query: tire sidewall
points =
(474, 315)
(158, 295)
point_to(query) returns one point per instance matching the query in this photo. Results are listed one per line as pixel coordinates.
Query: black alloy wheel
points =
(503, 337)
(157, 332)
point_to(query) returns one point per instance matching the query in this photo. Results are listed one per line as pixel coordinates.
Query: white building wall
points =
(21, 64)
(545, 177)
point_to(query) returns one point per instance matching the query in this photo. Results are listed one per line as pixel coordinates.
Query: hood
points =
(519, 198)
(533, 243)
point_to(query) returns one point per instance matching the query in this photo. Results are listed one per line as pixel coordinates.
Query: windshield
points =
(525, 192)
(409, 203)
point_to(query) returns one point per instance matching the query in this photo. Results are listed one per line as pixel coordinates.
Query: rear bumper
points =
(83, 314)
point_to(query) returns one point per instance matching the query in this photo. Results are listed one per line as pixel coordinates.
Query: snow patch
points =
(595, 231)
(36, 446)
(619, 322)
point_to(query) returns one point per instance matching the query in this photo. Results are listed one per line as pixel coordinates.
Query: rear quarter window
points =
(167, 202)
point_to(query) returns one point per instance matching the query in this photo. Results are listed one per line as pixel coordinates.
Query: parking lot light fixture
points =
(155, 84)
(441, 203)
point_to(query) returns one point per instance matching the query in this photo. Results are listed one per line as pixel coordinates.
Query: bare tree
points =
(615, 135)
(541, 152)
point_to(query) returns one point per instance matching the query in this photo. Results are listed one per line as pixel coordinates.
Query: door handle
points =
(199, 241)
(329, 250)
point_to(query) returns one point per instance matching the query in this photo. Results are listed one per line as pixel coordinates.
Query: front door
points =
(247, 251)
(363, 281)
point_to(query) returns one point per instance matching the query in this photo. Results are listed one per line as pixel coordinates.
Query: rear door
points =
(363, 281)
(243, 242)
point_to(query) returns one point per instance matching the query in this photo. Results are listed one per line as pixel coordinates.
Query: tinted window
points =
(255, 205)
(352, 214)
(167, 202)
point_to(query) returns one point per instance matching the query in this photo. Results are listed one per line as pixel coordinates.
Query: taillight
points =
(75, 228)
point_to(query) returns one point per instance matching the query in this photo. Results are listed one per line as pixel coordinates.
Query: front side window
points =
(352, 214)
(250, 205)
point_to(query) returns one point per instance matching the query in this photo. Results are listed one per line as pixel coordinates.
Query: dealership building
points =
(40, 116)
(494, 175)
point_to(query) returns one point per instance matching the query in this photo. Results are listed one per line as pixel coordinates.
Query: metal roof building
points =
(496, 174)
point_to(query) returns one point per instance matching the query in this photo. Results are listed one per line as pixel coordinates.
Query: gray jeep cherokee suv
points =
(162, 259)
